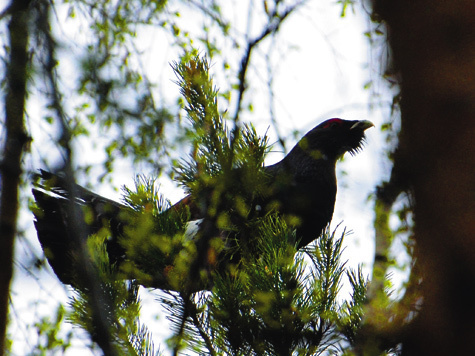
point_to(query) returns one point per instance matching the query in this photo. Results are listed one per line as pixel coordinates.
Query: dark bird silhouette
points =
(302, 187)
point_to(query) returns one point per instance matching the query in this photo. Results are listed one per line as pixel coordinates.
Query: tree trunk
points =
(433, 45)
(15, 140)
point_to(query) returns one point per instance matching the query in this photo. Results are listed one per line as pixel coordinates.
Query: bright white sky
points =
(322, 66)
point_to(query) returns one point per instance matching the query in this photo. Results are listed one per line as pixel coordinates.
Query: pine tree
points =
(262, 296)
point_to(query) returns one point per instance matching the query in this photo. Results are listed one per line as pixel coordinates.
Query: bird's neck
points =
(299, 166)
(305, 162)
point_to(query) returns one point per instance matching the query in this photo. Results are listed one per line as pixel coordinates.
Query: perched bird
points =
(302, 188)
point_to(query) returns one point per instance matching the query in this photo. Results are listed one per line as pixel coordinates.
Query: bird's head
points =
(334, 137)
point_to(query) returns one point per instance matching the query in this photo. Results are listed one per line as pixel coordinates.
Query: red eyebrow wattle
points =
(331, 121)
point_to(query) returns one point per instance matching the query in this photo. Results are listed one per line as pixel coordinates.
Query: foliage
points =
(49, 334)
(121, 306)
(271, 305)
(155, 241)
(270, 289)
(224, 170)
(263, 298)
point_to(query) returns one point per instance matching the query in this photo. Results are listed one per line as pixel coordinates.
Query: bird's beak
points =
(362, 125)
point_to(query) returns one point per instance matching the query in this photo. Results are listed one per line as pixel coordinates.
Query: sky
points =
(323, 62)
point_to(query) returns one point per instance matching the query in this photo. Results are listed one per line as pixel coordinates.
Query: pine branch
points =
(197, 322)
(155, 238)
(142, 342)
(262, 302)
(129, 335)
(222, 179)
(328, 268)
(353, 310)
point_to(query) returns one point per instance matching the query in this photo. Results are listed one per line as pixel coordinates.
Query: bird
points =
(302, 188)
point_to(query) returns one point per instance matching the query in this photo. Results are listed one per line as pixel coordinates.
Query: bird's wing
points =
(52, 220)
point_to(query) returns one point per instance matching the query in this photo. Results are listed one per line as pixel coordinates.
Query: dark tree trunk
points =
(15, 139)
(433, 45)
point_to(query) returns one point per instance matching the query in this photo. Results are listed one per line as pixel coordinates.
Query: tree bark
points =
(15, 140)
(433, 46)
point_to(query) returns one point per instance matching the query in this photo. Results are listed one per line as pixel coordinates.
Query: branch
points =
(270, 86)
(15, 141)
(212, 14)
(202, 332)
(271, 28)
(6, 11)
(185, 296)
(190, 311)
(88, 275)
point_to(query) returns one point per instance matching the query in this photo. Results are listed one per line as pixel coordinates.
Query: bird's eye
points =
(332, 123)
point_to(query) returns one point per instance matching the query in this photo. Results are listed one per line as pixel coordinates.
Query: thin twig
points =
(6, 11)
(270, 86)
(181, 330)
(211, 14)
(272, 27)
(202, 332)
